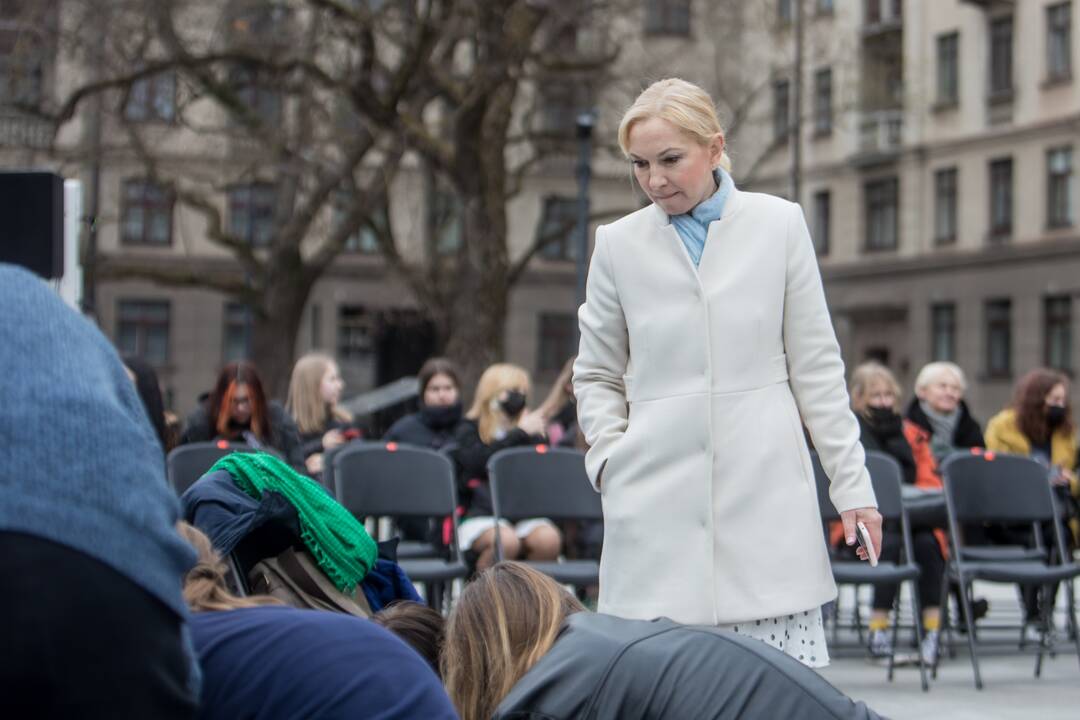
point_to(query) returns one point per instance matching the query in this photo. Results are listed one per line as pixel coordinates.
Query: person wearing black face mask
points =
(498, 419)
(1038, 423)
(440, 412)
(875, 398)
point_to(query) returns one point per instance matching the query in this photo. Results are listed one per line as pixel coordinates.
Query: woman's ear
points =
(716, 149)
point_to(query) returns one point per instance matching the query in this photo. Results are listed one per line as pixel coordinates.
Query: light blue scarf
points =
(693, 227)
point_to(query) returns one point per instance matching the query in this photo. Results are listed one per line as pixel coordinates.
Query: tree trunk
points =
(276, 323)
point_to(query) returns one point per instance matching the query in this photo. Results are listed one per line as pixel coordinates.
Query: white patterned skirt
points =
(800, 635)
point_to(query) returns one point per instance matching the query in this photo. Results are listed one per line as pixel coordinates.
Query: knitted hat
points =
(80, 464)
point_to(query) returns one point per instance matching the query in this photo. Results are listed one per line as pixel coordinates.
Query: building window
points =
(355, 333)
(258, 95)
(998, 315)
(145, 213)
(879, 11)
(152, 99)
(943, 331)
(1059, 41)
(556, 342)
(824, 7)
(1001, 57)
(945, 198)
(822, 220)
(251, 213)
(948, 69)
(1059, 187)
(363, 240)
(142, 330)
(823, 117)
(882, 197)
(785, 11)
(1001, 198)
(1057, 332)
(236, 344)
(448, 221)
(558, 224)
(23, 54)
(561, 101)
(667, 17)
(781, 110)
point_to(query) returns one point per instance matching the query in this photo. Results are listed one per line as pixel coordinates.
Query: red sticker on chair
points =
(541, 448)
(223, 444)
(391, 447)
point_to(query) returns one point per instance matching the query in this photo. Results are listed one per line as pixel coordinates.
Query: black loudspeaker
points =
(32, 221)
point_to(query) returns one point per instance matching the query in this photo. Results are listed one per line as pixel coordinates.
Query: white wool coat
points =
(690, 385)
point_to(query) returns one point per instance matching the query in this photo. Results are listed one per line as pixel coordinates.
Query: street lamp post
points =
(585, 122)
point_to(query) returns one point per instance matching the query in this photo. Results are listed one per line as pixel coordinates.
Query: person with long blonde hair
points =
(498, 419)
(706, 344)
(248, 649)
(519, 645)
(314, 395)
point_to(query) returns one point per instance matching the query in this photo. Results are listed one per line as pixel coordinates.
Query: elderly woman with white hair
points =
(938, 419)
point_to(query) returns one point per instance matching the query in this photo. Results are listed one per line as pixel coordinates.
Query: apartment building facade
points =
(937, 174)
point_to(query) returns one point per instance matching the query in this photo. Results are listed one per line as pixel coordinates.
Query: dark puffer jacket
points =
(607, 668)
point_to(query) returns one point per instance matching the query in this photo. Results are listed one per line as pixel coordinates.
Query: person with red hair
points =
(237, 410)
(1038, 423)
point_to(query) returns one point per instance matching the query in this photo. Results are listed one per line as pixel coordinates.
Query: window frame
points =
(1005, 73)
(147, 105)
(1001, 324)
(139, 312)
(943, 326)
(267, 214)
(781, 110)
(948, 69)
(550, 357)
(823, 101)
(822, 222)
(166, 204)
(668, 18)
(1060, 210)
(995, 170)
(1056, 320)
(876, 196)
(946, 205)
(1059, 26)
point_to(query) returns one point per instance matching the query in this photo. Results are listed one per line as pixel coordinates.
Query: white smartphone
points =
(863, 537)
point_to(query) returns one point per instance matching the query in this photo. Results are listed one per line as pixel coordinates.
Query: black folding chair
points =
(539, 481)
(376, 480)
(886, 477)
(1009, 489)
(187, 463)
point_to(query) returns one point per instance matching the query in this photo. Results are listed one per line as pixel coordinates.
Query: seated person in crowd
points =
(437, 420)
(149, 389)
(519, 645)
(91, 614)
(939, 420)
(497, 420)
(262, 659)
(559, 410)
(314, 393)
(238, 411)
(1038, 423)
(875, 398)
(421, 626)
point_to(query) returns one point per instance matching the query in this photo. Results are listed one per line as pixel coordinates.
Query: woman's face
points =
(240, 405)
(441, 391)
(942, 394)
(331, 385)
(880, 395)
(1057, 395)
(673, 169)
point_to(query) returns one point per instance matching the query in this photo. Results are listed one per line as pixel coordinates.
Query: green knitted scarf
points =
(337, 540)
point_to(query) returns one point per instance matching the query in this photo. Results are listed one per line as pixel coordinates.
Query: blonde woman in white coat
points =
(704, 339)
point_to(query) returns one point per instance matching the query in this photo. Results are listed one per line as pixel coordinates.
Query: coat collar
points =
(732, 205)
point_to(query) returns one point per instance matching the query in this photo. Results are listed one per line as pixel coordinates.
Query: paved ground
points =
(1010, 688)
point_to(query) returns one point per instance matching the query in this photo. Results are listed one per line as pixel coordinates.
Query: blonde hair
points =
(931, 372)
(863, 379)
(305, 402)
(681, 103)
(503, 623)
(204, 584)
(558, 396)
(496, 379)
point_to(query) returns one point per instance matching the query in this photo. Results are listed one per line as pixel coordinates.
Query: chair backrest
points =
(886, 476)
(541, 481)
(187, 463)
(992, 487)
(379, 479)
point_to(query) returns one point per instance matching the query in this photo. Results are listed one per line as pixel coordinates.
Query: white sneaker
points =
(931, 645)
(880, 644)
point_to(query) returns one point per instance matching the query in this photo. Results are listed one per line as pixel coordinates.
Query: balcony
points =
(881, 17)
(21, 131)
(880, 136)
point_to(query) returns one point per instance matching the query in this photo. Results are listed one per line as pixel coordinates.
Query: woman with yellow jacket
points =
(1039, 424)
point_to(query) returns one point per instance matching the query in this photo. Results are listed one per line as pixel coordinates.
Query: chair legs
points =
(1070, 609)
(969, 622)
(916, 609)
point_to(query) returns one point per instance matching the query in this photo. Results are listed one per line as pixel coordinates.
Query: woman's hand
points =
(332, 439)
(532, 422)
(869, 517)
(314, 463)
